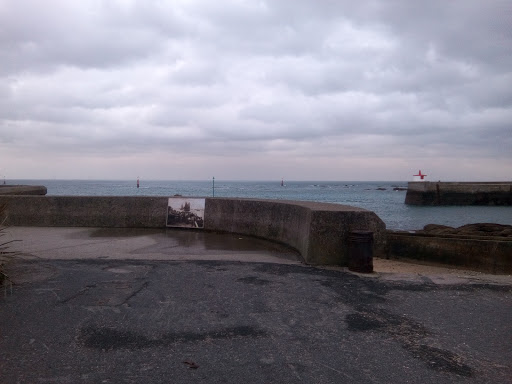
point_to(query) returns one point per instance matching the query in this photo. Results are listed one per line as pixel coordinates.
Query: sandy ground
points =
(391, 269)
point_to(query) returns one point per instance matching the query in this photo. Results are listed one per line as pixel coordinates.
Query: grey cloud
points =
(300, 78)
(44, 36)
(467, 31)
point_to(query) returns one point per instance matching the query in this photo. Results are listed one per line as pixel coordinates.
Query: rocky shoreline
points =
(477, 230)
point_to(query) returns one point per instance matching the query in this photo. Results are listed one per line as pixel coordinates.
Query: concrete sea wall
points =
(485, 254)
(6, 189)
(453, 193)
(319, 231)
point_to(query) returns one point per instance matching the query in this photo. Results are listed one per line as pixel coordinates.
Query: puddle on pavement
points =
(124, 232)
(199, 240)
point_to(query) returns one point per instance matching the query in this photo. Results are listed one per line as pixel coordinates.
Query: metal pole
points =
(213, 186)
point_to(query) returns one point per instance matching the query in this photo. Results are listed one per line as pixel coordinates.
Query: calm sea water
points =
(375, 196)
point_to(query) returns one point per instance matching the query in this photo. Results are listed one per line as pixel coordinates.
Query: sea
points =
(377, 196)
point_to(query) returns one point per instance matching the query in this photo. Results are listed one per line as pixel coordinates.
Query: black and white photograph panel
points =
(185, 212)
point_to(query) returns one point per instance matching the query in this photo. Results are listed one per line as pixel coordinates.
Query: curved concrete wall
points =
(319, 231)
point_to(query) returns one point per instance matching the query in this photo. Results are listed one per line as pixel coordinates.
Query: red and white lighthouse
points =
(419, 177)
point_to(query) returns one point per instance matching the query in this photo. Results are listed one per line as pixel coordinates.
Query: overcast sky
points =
(256, 90)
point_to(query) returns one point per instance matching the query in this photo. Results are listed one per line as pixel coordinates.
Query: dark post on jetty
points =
(360, 251)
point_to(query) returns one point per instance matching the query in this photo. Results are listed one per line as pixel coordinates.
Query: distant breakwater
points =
(459, 193)
(7, 189)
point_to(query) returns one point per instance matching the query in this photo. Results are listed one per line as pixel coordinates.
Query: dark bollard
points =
(360, 251)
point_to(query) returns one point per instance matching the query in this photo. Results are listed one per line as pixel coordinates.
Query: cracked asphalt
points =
(131, 306)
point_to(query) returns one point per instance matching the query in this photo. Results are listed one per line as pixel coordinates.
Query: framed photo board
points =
(185, 212)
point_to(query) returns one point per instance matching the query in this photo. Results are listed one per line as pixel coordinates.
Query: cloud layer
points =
(335, 90)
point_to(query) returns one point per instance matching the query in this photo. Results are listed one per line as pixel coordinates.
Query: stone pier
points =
(459, 193)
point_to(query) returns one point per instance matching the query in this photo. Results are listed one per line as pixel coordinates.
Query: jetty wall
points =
(484, 254)
(319, 231)
(459, 193)
(8, 189)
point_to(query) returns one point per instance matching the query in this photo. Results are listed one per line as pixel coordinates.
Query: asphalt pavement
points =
(92, 305)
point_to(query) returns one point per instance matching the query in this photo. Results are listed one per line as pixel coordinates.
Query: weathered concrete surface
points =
(6, 189)
(86, 211)
(459, 193)
(140, 243)
(491, 255)
(319, 231)
(86, 319)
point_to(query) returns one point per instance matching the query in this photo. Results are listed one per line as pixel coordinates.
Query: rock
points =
(437, 229)
(485, 229)
(477, 229)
